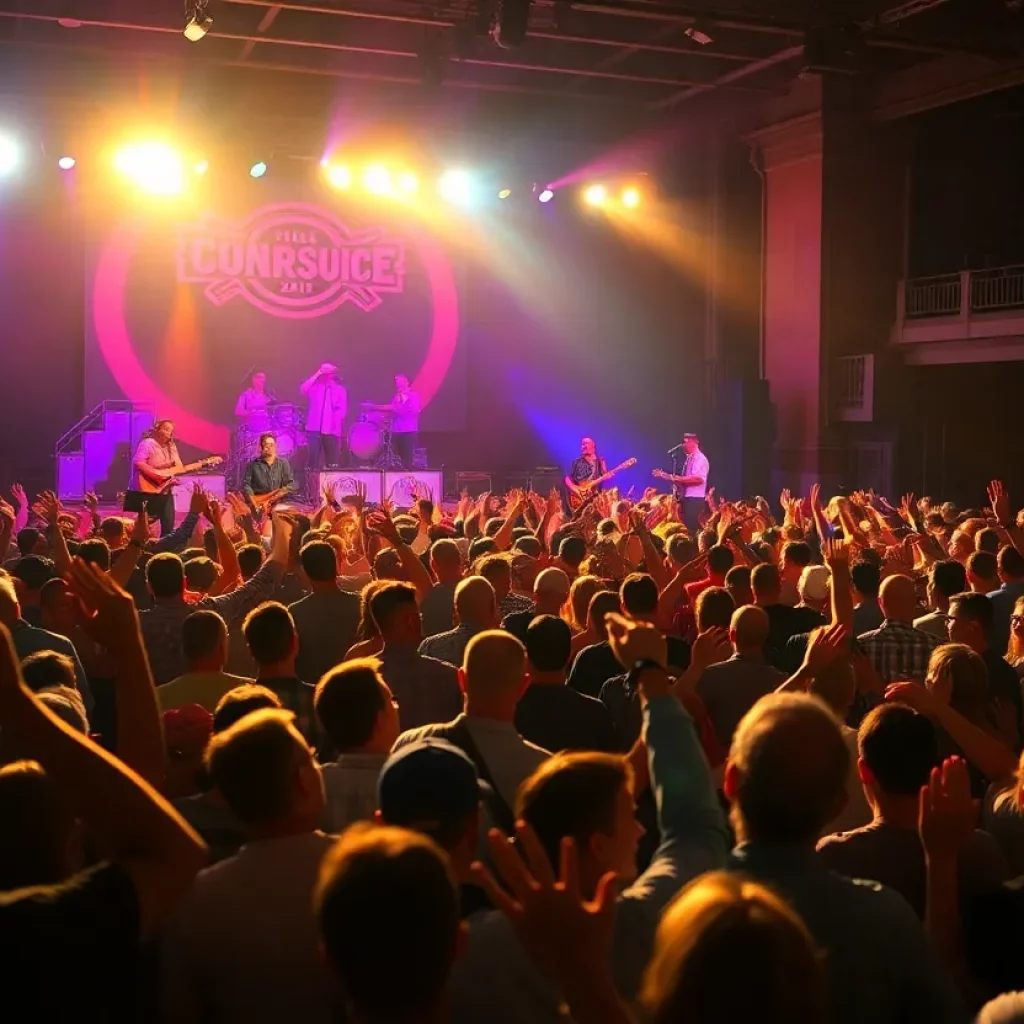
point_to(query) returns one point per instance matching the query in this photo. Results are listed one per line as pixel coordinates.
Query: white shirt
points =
(405, 413)
(696, 465)
(328, 404)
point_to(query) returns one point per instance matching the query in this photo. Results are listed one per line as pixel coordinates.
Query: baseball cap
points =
(690, 436)
(328, 368)
(814, 582)
(187, 727)
(428, 786)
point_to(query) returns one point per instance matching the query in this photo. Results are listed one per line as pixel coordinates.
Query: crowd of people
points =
(496, 762)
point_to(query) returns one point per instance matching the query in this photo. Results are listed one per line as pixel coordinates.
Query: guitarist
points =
(267, 474)
(587, 467)
(157, 452)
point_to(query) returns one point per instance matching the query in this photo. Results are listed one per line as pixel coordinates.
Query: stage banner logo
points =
(291, 261)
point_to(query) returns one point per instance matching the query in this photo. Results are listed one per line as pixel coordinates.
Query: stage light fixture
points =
(197, 19)
(456, 186)
(65, 163)
(377, 179)
(408, 183)
(596, 195)
(700, 32)
(258, 169)
(545, 195)
(338, 176)
(630, 198)
(10, 154)
(201, 166)
(505, 193)
(153, 167)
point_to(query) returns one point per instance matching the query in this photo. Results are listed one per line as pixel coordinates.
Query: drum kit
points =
(369, 439)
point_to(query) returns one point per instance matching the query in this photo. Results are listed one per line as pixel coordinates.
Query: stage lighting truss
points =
(624, 194)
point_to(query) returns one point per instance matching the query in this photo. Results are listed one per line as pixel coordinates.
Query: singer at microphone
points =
(692, 484)
(251, 407)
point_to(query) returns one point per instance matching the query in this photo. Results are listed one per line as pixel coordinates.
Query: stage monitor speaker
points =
(71, 476)
(400, 486)
(474, 483)
(542, 480)
(740, 445)
(347, 481)
(213, 483)
(518, 480)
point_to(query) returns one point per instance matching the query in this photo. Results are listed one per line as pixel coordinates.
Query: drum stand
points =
(387, 458)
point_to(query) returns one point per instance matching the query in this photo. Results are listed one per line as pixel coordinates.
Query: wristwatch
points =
(641, 666)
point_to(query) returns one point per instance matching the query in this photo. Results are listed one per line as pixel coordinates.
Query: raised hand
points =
(633, 641)
(108, 612)
(919, 697)
(898, 561)
(51, 507)
(383, 525)
(7, 513)
(711, 647)
(19, 496)
(141, 531)
(1000, 501)
(946, 813)
(215, 512)
(825, 647)
(836, 554)
(330, 492)
(199, 502)
(815, 496)
(91, 502)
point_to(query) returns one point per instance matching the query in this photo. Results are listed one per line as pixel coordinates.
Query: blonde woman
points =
(1015, 650)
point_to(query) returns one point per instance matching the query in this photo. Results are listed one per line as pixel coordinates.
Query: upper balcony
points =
(984, 307)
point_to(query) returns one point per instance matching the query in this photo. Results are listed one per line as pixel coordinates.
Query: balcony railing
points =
(934, 296)
(962, 294)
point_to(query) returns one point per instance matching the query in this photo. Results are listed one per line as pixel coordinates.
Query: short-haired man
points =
(897, 650)
(497, 570)
(476, 610)
(493, 678)
(550, 713)
(427, 690)
(327, 619)
(898, 749)
(720, 561)
(1010, 565)
(438, 606)
(373, 877)
(243, 945)
(796, 556)
(32, 573)
(786, 778)
(982, 572)
(359, 716)
(784, 620)
(865, 579)
(550, 592)
(433, 787)
(945, 579)
(204, 641)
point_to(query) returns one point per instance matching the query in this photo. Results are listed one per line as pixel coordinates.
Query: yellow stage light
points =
(408, 183)
(456, 186)
(596, 195)
(202, 166)
(338, 176)
(153, 167)
(505, 193)
(377, 180)
(630, 198)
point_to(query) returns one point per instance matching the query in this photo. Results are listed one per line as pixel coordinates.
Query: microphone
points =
(675, 451)
(271, 395)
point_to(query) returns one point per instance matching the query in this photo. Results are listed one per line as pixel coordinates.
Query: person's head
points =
(796, 556)
(356, 709)
(319, 563)
(45, 670)
(714, 607)
(163, 431)
(969, 620)
(201, 574)
(371, 878)
(250, 558)
(691, 442)
(866, 578)
(40, 844)
(639, 597)
(497, 570)
(1010, 564)
(432, 787)
(961, 545)
(945, 578)
(720, 561)
(583, 588)
(446, 561)
(328, 372)
(748, 630)
(588, 447)
(241, 701)
(31, 541)
(475, 603)
(550, 591)
(1015, 650)
(681, 549)
(982, 572)
(268, 446)
(897, 748)
(766, 582)
(266, 773)
(571, 552)
(57, 607)
(401, 383)
(737, 582)
(898, 598)
(958, 676)
(165, 576)
(32, 571)
(987, 539)
(396, 614)
(786, 772)
(204, 641)
(10, 607)
(721, 920)
(813, 587)
(548, 647)
(272, 639)
(589, 798)
(187, 731)
(493, 675)
(601, 604)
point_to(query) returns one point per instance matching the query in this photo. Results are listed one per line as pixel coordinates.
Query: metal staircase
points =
(95, 454)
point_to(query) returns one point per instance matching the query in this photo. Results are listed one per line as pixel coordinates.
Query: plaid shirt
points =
(450, 646)
(427, 690)
(350, 790)
(899, 651)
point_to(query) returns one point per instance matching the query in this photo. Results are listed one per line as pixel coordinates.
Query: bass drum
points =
(287, 441)
(364, 439)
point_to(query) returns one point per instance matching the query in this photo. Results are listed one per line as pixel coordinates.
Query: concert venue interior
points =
(792, 228)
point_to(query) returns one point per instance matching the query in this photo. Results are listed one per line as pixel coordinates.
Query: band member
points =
(693, 481)
(586, 467)
(267, 473)
(251, 407)
(405, 410)
(157, 451)
(325, 418)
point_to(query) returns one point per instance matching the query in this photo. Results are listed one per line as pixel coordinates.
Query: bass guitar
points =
(167, 476)
(583, 490)
(264, 501)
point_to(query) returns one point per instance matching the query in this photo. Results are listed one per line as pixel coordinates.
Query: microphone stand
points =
(675, 472)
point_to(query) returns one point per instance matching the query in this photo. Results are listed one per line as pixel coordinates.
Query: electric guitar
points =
(578, 496)
(264, 501)
(167, 476)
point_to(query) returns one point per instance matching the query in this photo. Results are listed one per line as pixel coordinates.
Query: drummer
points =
(404, 410)
(251, 407)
